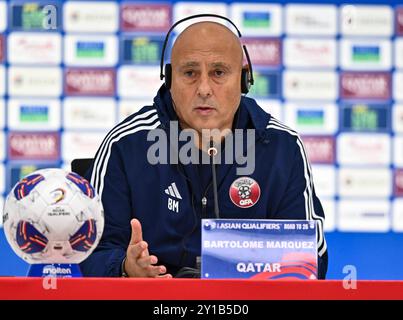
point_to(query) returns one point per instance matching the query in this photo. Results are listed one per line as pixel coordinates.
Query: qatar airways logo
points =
(399, 21)
(136, 17)
(33, 146)
(84, 82)
(398, 183)
(264, 51)
(366, 85)
(2, 49)
(320, 149)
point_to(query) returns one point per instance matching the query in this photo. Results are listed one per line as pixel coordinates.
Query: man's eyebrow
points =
(189, 64)
(220, 65)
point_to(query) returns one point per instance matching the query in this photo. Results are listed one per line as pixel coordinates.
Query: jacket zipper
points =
(204, 202)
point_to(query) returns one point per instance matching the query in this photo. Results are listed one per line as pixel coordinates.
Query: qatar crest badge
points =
(244, 192)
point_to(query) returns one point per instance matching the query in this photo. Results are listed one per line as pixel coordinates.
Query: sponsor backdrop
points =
(70, 70)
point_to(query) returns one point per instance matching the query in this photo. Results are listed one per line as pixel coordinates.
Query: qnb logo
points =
(173, 193)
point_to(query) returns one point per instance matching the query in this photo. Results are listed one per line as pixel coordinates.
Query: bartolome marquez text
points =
(258, 244)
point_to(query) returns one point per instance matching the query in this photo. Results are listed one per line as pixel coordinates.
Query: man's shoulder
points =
(144, 120)
(279, 129)
(142, 114)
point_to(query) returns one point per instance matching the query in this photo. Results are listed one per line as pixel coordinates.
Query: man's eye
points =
(218, 73)
(189, 73)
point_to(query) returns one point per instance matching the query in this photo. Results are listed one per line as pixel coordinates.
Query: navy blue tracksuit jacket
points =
(131, 187)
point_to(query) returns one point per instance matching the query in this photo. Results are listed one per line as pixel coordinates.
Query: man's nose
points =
(204, 90)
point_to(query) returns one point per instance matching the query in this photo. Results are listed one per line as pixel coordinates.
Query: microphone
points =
(212, 152)
(188, 272)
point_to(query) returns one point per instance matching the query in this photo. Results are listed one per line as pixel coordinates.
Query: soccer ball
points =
(53, 216)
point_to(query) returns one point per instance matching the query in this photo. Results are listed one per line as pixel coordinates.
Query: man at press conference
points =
(145, 235)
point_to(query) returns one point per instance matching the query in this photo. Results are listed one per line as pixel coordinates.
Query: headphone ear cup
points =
(245, 84)
(168, 75)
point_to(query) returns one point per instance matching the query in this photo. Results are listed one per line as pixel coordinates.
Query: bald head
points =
(206, 66)
(205, 36)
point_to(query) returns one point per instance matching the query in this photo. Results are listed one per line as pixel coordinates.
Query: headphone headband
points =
(251, 80)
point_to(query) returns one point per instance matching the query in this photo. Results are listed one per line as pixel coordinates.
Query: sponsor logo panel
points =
(364, 215)
(312, 118)
(398, 118)
(258, 19)
(358, 182)
(358, 20)
(1, 198)
(398, 85)
(94, 51)
(2, 48)
(273, 107)
(145, 80)
(398, 150)
(2, 113)
(365, 85)
(311, 19)
(3, 16)
(324, 177)
(398, 183)
(320, 85)
(310, 53)
(366, 54)
(32, 47)
(2, 80)
(33, 114)
(35, 81)
(398, 53)
(365, 117)
(264, 51)
(320, 149)
(2, 146)
(128, 107)
(267, 84)
(80, 16)
(141, 50)
(33, 146)
(397, 215)
(2, 185)
(89, 82)
(35, 15)
(399, 21)
(89, 113)
(364, 148)
(185, 9)
(329, 207)
(80, 144)
(145, 17)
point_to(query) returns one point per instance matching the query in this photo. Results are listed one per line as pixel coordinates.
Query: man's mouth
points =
(204, 110)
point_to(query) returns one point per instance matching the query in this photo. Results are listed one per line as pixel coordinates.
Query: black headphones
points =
(246, 75)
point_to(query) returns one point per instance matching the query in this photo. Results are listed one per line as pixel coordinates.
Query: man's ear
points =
(245, 79)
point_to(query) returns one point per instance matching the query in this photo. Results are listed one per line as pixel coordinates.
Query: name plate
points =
(259, 249)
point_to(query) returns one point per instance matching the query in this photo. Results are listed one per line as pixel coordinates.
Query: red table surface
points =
(22, 288)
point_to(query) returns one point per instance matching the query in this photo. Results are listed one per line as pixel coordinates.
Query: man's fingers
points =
(144, 262)
(137, 250)
(137, 233)
(155, 271)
